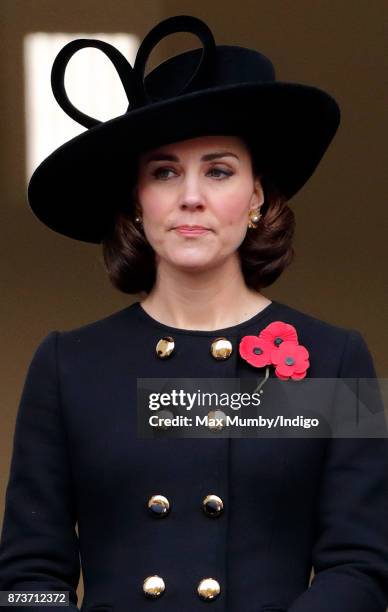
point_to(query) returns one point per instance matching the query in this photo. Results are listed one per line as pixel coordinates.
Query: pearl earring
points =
(254, 218)
(138, 218)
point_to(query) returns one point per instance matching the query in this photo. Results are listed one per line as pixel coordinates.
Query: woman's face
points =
(205, 181)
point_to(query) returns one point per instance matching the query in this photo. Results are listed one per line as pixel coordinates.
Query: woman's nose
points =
(191, 195)
(191, 203)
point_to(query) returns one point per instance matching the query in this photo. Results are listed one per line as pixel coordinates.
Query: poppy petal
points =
(298, 375)
(279, 329)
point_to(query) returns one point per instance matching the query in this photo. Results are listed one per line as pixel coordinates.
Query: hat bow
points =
(132, 79)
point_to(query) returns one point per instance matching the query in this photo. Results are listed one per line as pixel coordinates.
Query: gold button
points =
(159, 506)
(208, 588)
(165, 347)
(221, 348)
(217, 420)
(153, 586)
(212, 505)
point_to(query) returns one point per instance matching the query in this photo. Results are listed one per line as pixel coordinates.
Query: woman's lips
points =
(187, 231)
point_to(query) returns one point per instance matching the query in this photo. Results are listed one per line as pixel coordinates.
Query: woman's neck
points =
(213, 299)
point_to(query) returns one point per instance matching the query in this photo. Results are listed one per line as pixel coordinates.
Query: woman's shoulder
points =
(330, 343)
(101, 333)
(309, 324)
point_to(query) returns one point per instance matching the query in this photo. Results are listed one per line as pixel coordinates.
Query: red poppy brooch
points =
(276, 345)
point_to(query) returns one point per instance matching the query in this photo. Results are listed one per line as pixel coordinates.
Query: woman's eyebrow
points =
(169, 157)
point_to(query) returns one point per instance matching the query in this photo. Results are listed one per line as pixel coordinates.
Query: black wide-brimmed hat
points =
(210, 90)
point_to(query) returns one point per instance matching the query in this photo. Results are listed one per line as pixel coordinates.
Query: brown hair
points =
(264, 253)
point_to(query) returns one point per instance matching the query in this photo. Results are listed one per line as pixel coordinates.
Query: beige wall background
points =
(339, 273)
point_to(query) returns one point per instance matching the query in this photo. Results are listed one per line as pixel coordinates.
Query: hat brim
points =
(76, 190)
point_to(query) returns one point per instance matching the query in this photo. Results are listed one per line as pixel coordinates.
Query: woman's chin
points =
(192, 261)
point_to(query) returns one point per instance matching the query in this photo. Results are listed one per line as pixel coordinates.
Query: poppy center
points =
(278, 341)
(289, 361)
(257, 350)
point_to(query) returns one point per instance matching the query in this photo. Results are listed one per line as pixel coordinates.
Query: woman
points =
(235, 522)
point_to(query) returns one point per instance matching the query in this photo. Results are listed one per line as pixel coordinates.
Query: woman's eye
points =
(159, 172)
(224, 172)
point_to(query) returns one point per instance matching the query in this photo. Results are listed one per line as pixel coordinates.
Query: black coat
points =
(289, 504)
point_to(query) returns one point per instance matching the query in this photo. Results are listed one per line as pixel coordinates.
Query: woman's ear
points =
(257, 199)
(135, 200)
